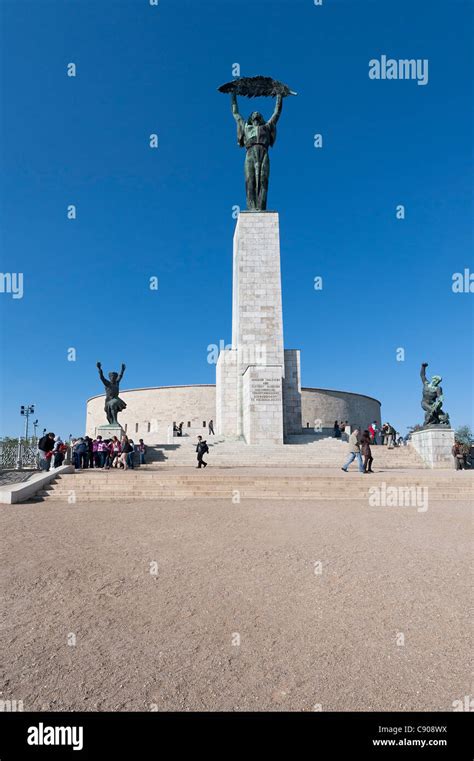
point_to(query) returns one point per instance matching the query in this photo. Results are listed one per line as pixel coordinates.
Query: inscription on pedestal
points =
(262, 390)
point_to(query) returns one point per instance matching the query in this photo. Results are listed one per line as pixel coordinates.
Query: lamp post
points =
(25, 410)
(35, 426)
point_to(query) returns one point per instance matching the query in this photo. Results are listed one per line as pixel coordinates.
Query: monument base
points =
(227, 408)
(434, 446)
(109, 430)
(262, 405)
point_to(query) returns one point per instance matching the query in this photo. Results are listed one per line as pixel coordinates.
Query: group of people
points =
(386, 435)
(463, 455)
(178, 429)
(107, 453)
(114, 453)
(90, 453)
(360, 443)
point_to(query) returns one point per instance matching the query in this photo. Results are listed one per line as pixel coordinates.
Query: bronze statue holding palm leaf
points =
(255, 134)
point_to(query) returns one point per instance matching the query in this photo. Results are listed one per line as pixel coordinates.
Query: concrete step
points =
(261, 488)
(246, 492)
(270, 485)
(265, 484)
(228, 494)
(217, 476)
(213, 495)
(352, 478)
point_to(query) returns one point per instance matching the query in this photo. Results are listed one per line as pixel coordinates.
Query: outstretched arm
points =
(278, 108)
(121, 373)
(235, 107)
(101, 375)
(423, 372)
(238, 119)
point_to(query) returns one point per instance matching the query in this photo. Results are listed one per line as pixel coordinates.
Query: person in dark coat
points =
(81, 451)
(201, 450)
(45, 447)
(90, 451)
(337, 430)
(366, 452)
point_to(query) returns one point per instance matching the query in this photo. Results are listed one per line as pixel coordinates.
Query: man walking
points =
(211, 428)
(354, 449)
(201, 450)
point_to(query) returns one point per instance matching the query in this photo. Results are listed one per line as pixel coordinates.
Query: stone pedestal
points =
(257, 321)
(434, 445)
(262, 419)
(258, 390)
(257, 324)
(109, 430)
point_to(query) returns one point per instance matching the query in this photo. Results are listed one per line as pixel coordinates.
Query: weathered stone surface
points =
(109, 430)
(292, 393)
(320, 406)
(226, 394)
(434, 445)
(257, 333)
(151, 410)
(262, 418)
(257, 321)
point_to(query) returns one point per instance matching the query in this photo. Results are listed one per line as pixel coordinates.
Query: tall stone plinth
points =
(434, 446)
(254, 399)
(257, 321)
(257, 325)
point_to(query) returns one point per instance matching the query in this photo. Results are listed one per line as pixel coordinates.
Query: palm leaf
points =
(257, 87)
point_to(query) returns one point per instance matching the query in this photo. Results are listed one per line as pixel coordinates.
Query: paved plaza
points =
(204, 604)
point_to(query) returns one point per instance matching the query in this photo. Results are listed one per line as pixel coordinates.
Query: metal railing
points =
(18, 455)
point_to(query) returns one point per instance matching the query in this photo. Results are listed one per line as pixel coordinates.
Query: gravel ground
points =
(238, 616)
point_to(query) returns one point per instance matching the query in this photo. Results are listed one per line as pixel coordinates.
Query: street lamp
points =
(35, 426)
(26, 411)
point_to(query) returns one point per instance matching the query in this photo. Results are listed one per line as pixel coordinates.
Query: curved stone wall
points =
(326, 406)
(151, 410)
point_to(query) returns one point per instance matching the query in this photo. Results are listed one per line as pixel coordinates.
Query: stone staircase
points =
(249, 483)
(301, 451)
(309, 467)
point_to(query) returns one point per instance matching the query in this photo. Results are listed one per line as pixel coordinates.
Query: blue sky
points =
(168, 212)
